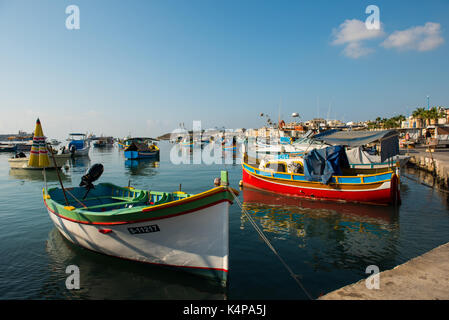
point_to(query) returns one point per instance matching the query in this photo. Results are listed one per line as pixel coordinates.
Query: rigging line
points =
(264, 238)
(70, 194)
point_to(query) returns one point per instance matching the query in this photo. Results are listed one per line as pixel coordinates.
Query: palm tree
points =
(434, 113)
(420, 114)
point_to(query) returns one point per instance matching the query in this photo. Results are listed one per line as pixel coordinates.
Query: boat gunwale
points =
(361, 177)
(137, 210)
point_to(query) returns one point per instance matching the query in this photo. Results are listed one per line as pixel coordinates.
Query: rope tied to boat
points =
(267, 242)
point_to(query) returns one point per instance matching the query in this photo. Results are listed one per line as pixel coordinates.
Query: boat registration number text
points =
(144, 229)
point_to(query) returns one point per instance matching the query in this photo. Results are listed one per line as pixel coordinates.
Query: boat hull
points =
(141, 154)
(82, 152)
(8, 149)
(196, 242)
(22, 163)
(383, 192)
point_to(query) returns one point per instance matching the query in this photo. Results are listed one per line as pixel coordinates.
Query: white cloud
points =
(355, 50)
(420, 38)
(352, 33)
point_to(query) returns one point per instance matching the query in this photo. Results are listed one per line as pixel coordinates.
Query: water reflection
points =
(427, 179)
(79, 164)
(343, 234)
(142, 167)
(104, 277)
(38, 175)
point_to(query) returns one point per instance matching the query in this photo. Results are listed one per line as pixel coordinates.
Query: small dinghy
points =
(175, 229)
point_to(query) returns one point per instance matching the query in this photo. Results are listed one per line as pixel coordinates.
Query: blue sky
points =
(142, 67)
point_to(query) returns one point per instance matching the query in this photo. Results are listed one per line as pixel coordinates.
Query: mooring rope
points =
(264, 238)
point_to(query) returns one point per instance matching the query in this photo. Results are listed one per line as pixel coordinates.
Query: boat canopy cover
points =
(353, 138)
(322, 164)
(389, 140)
(359, 156)
(79, 144)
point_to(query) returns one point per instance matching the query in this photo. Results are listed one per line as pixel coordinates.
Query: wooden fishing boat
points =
(187, 142)
(23, 146)
(353, 163)
(8, 147)
(174, 229)
(121, 144)
(229, 144)
(374, 186)
(140, 148)
(103, 142)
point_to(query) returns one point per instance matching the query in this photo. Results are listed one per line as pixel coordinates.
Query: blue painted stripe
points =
(349, 180)
(263, 173)
(282, 175)
(248, 168)
(299, 178)
(382, 177)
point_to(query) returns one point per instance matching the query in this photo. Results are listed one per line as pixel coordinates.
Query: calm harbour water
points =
(329, 245)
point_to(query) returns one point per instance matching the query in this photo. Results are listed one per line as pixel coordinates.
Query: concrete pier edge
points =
(425, 277)
(436, 163)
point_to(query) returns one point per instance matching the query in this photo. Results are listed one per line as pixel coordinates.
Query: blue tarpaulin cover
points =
(322, 164)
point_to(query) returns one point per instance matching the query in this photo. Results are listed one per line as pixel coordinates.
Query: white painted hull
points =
(82, 152)
(22, 163)
(197, 241)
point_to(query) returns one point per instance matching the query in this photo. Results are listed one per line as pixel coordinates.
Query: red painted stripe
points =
(137, 221)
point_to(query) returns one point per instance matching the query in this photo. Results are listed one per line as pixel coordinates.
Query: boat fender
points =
(104, 231)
